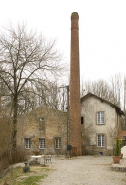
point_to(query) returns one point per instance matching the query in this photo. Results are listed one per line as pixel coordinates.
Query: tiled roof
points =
(121, 134)
(103, 100)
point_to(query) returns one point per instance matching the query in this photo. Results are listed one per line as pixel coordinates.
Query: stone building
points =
(90, 121)
(43, 130)
(100, 121)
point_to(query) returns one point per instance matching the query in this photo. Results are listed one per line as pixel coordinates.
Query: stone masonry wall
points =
(55, 126)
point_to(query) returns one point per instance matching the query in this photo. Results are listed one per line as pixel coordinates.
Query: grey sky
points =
(102, 30)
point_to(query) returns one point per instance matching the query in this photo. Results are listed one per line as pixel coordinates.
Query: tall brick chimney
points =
(75, 107)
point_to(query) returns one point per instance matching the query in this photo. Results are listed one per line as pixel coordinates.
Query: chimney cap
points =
(74, 14)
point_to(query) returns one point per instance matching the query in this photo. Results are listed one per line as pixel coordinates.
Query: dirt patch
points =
(103, 164)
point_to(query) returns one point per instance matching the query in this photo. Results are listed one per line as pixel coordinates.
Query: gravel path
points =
(84, 170)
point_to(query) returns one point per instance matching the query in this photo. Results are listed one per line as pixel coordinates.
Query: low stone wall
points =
(120, 166)
(94, 150)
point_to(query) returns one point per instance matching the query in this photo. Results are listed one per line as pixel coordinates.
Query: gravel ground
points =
(84, 170)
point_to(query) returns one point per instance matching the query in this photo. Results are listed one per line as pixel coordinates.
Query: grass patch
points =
(33, 180)
(16, 176)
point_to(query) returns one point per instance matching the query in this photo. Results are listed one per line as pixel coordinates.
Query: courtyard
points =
(82, 170)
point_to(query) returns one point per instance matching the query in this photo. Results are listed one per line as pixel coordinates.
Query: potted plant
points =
(116, 157)
(121, 156)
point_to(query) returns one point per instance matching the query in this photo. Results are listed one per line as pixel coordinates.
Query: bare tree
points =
(100, 88)
(116, 84)
(43, 94)
(25, 57)
(108, 90)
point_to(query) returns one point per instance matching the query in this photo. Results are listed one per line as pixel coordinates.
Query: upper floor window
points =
(57, 143)
(101, 140)
(41, 123)
(27, 143)
(100, 118)
(42, 143)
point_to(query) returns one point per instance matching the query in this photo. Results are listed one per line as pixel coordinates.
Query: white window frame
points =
(27, 143)
(101, 140)
(100, 117)
(58, 143)
(41, 143)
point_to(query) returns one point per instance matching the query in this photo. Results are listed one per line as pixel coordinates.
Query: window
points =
(101, 141)
(42, 143)
(27, 143)
(41, 123)
(82, 120)
(58, 143)
(100, 117)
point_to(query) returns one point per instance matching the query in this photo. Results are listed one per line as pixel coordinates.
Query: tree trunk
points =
(14, 125)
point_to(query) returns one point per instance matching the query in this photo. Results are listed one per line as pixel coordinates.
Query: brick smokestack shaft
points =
(75, 107)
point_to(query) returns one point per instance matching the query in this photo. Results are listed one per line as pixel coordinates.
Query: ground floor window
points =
(101, 140)
(27, 143)
(42, 143)
(57, 143)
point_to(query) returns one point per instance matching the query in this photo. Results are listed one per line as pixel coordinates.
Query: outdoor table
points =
(39, 158)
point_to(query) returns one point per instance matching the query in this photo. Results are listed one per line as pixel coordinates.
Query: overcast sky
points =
(102, 30)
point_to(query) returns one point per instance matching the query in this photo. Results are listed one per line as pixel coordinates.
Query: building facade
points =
(45, 130)
(100, 121)
(42, 130)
